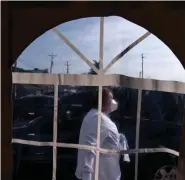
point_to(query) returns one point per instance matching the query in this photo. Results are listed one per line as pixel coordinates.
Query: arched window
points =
(65, 79)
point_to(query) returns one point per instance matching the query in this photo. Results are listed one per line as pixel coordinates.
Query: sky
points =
(159, 61)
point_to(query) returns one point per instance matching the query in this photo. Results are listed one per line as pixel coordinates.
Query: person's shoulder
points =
(106, 121)
(92, 114)
(105, 117)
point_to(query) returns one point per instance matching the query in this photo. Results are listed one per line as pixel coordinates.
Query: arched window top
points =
(158, 60)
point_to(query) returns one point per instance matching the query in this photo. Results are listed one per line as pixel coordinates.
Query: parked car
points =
(153, 134)
(29, 107)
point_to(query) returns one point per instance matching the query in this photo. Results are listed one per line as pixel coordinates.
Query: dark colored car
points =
(30, 107)
(153, 133)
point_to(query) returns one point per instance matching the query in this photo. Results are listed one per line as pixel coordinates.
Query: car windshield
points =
(25, 123)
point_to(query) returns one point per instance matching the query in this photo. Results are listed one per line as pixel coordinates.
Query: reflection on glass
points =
(125, 115)
(113, 128)
(66, 163)
(33, 109)
(84, 34)
(157, 166)
(161, 119)
(56, 56)
(162, 115)
(75, 104)
(33, 113)
(110, 169)
(120, 37)
(32, 162)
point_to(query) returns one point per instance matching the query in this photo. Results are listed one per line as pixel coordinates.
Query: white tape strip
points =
(33, 143)
(55, 118)
(101, 43)
(137, 130)
(99, 98)
(99, 80)
(120, 55)
(151, 150)
(98, 131)
(75, 49)
(101, 150)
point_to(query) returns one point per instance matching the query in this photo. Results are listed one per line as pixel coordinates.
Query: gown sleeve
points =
(86, 175)
(124, 146)
(114, 141)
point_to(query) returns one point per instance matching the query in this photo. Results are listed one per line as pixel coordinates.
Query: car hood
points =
(19, 127)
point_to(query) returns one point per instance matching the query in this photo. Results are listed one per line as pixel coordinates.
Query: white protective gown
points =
(110, 138)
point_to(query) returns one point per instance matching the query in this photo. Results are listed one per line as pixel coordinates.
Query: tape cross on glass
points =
(97, 80)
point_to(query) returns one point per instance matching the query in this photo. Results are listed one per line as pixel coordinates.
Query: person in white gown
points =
(110, 138)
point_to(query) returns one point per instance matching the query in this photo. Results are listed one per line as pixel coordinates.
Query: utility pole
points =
(52, 62)
(50, 88)
(67, 70)
(142, 57)
(140, 74)
(67, 67)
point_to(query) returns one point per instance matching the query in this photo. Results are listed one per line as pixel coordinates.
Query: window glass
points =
(31, 162)
(158, 166)
(161, 119)
(47, 127)
(74, 107)
(33, 107)
(66, 163)
(122, 128)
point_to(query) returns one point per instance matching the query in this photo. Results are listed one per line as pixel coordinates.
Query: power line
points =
(52, 62)
(25, 63)
(32, 65)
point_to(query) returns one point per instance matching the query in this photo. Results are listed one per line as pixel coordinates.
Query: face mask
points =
(114, 105)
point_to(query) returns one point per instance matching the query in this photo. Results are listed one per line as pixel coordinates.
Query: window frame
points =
(99, 80)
